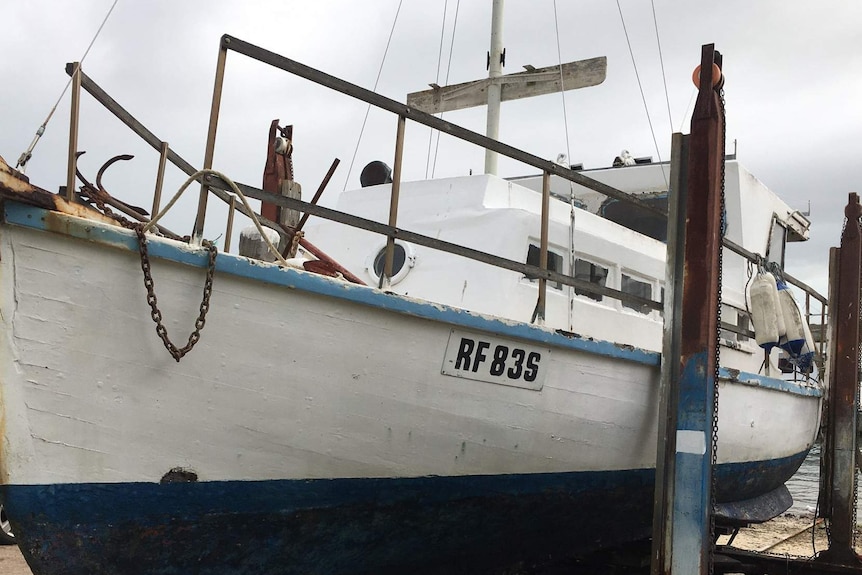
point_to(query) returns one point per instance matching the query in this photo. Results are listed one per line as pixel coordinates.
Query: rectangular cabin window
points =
(636, 287)
(590, 272)
(555, 263)
(777, 238)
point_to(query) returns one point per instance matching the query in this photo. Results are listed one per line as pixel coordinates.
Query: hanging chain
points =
(722, 229)
(176, 352)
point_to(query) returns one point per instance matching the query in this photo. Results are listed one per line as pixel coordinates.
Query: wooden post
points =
(669, 390)
(73, 132)
(698, 335)
(393, 203)
(844, 390)
(543, 248)
(198, 231)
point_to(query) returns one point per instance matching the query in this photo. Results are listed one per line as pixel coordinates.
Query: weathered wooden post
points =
(844, 385)
(690, 532)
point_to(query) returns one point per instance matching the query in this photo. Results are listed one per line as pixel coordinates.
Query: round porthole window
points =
(402, 261)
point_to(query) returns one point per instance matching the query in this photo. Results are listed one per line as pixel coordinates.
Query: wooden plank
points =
(537, 82)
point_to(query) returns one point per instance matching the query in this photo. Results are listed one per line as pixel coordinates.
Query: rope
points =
(437, 81)
(235, 189)
(446, 81)
(27, 154)
(640, 87)
(374, 89)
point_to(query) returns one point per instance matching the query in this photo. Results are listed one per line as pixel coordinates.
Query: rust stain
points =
(15, 186)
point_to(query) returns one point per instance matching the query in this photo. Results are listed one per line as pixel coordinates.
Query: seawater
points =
(805, 485)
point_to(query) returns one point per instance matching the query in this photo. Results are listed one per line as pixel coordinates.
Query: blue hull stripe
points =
(408, 525)
(35, 218)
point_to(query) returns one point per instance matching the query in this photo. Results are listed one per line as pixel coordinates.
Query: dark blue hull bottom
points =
(474, 524)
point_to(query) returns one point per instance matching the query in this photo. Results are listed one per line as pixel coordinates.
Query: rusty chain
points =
(717, 351)
(176, 352)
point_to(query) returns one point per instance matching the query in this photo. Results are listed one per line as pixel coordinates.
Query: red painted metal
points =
(703, 227)
(278, 168)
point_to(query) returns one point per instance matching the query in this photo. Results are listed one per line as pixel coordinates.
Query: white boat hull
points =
(315, 418)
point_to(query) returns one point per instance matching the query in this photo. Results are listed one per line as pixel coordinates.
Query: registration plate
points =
(495, 360)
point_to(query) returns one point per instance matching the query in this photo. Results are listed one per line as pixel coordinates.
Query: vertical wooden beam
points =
(231, 211)
(698, 334)
(73, 132)
(669, 389)
(844, 389)
(160, 178)
(393, 202)
(198, 231)
(543, 248)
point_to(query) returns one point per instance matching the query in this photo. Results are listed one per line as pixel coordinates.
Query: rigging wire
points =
(26, 155)
(446, 81)
(571, 294)
(687, 108)
(437, 81)
(640, 87)
(562, 89)
(374, 89)
(661, 61)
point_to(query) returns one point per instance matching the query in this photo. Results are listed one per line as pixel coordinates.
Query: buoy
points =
(765, 310)
(716, 76)
(797, 341)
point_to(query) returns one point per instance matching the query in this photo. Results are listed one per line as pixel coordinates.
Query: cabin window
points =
(590, 272)
(636, 219)
(555, 264)
(777, 238)
(636, 287)
(403, 259)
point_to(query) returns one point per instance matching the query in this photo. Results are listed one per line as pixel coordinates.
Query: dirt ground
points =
(11, 561)
(788, 534)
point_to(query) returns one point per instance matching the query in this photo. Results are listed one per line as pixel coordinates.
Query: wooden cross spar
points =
(533, 82)
(499, 88)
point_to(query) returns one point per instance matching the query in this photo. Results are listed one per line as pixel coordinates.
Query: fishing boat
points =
(490, 397)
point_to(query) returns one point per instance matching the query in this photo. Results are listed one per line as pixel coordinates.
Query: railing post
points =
(73, 132)
(543, 248)
(386, 278)
(198, 231)
(160, 179)
(229, 231)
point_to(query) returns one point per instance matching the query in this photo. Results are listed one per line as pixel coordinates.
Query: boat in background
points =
(442, 422)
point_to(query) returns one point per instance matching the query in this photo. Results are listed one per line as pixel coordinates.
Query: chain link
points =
(722, 229)
(176, 352)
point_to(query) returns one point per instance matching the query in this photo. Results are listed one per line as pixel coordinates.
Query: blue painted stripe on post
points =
(32, 217)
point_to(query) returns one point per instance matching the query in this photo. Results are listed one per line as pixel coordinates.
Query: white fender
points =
(794, 339)
(765, 310)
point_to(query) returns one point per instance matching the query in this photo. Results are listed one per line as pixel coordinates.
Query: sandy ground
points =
(11, 561)
(785, 535)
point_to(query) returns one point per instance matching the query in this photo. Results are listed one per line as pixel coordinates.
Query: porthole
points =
(403, 261)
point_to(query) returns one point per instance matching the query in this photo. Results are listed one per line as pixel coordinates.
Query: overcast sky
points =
(793, 90)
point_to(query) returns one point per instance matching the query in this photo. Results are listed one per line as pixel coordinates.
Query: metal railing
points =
(220, 188)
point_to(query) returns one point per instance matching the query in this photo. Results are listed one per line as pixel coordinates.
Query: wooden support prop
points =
(691, 541)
